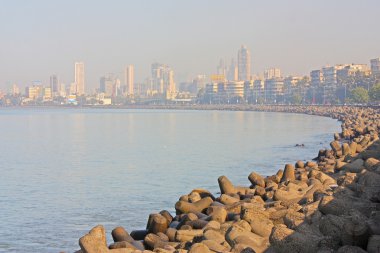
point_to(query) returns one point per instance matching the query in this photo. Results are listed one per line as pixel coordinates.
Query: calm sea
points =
(64, 171)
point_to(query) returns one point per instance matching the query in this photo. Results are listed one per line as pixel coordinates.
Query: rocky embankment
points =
(328, 205)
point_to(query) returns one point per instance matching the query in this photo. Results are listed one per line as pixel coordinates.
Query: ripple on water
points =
(65, 171)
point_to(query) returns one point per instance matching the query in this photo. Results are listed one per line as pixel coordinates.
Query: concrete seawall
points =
(331, 204)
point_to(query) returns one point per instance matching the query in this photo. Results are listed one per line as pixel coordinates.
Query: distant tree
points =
(374, 92)
(359, 95)
(349, 101)
(296, 99)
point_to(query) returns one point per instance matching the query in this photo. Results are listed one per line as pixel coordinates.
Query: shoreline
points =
(300, 109)
(240, 108)
(240, 218)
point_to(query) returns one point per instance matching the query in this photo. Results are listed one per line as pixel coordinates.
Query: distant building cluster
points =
(231, 83)
(161, 81)
(327, 85)
(37, 93)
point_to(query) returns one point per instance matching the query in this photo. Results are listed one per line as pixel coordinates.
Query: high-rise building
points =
(79, 78)
(109, 85)
(46, 93)
(231, 90)
(274, 89)
(54, 85)
(117, 88)
(102, 84)
(163, 79)
(33, 92)
(272, 73)
(316, 77)
(129, 80)
(330, 74)
(244, 64)
(292, 85)
(199, 82)
(258, 89)
(71, 89)
(170, 82)
(62, 90)
(349, 70)
(233, 74)
(375, 66)
(15, 90)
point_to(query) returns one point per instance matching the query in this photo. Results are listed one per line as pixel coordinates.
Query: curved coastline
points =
(297, 208)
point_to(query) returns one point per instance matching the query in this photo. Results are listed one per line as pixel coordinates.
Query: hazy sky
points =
(42, 37)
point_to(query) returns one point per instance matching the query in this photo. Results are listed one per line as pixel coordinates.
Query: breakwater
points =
(327, 205)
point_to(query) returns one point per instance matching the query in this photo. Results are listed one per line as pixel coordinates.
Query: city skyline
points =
(244, 64)
(234, 72)
(189, 45)
(326, 84)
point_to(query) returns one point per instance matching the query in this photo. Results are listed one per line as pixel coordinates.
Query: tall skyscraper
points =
(316, 77)
(170, 82)
(54, 85)
(129, 79)
(244, 64)
(79, 78)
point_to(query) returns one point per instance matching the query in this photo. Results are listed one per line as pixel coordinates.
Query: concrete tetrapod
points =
(328, 205)
(199, 206)
(225, 185)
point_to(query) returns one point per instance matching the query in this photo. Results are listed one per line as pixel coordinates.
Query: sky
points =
(39, 38)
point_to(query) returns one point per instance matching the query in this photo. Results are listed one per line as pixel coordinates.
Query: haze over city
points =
(41, 38)
(193, 126)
